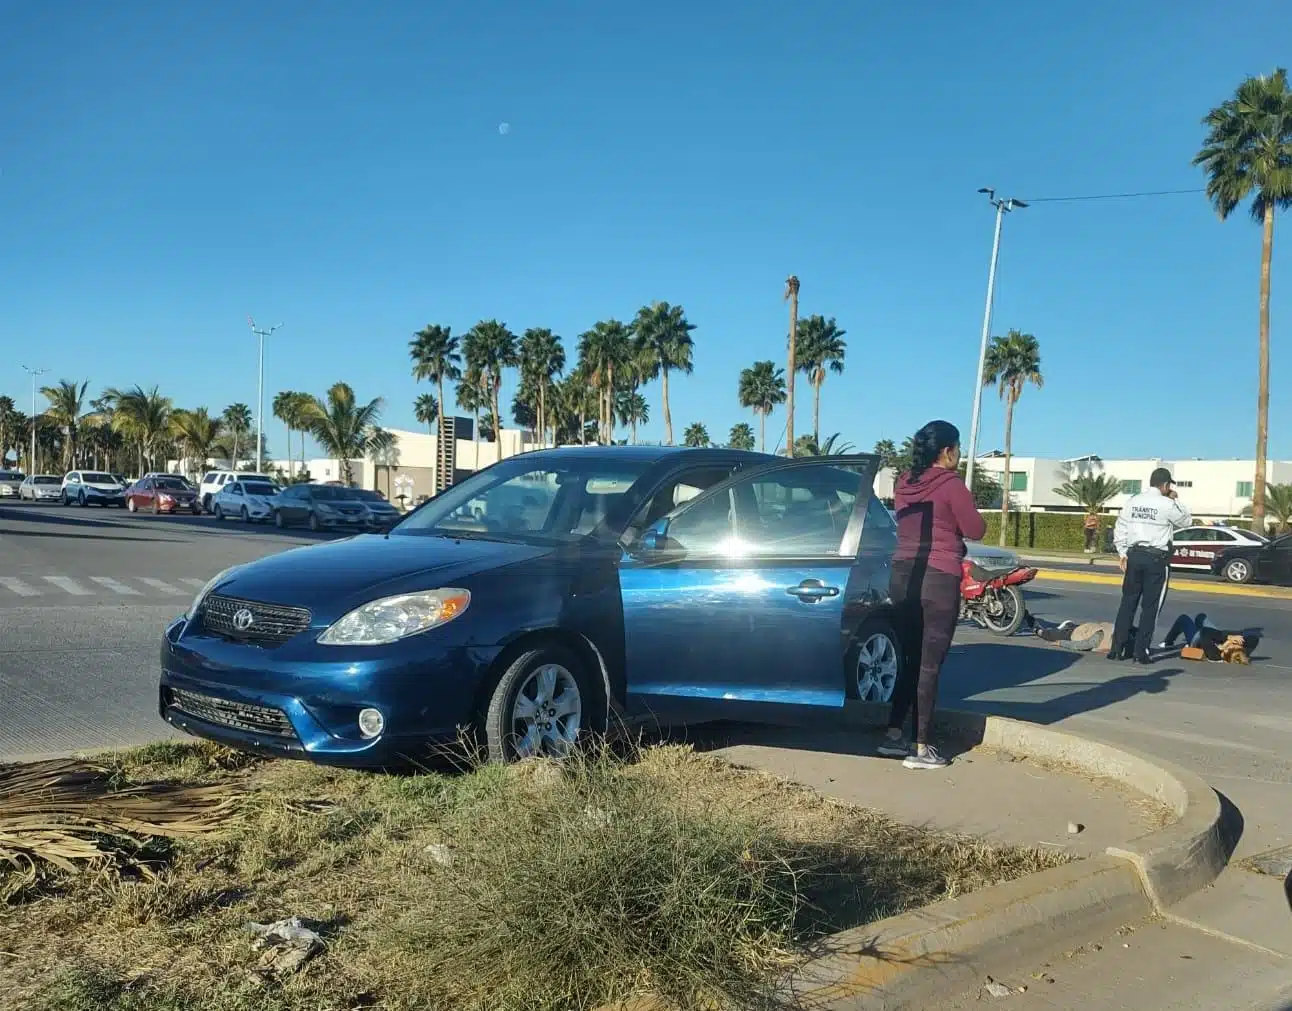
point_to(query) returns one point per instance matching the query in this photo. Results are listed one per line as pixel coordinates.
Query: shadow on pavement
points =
(30, 514)
(70, 535)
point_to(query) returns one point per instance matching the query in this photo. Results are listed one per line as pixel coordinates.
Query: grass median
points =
(537, 886)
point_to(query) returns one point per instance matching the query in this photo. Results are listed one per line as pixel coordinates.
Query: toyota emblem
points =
(243, 619)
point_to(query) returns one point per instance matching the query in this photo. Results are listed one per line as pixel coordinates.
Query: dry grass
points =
(534, 887)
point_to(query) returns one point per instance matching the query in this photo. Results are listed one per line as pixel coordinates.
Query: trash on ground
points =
(287, 944)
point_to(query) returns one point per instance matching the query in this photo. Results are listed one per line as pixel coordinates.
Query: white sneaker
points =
(929, 760)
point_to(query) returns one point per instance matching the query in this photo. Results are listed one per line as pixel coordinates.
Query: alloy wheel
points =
(1237, 571)
(876, 668)
(548, 713)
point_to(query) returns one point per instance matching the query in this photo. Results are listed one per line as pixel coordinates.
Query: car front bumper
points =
(105, 498)
(302, 700)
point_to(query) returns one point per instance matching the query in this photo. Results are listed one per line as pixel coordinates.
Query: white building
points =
(1211, 489)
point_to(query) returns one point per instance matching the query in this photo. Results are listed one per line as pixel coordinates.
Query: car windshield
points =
(90, 477)
(259, 488)
(548, 502)
(45, 480)
(10, 475)
(171, 484)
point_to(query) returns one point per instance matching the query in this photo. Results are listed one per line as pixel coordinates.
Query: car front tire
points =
(278, 520)
(541, 706)
(219, 513)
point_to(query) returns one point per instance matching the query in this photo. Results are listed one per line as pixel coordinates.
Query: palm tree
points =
(471, 397)
(490, 348)
(143, 416)
(833, 446)
(696, 435)
(1090, 491)
(663, 344)
(762, 387)
(1248, 154)
(425, 409)
(1279, 504)
(741, 436)
(66, 410)
(820, 347)
(8, 411)
(602, 350)
(236, 421)
(344, 428)
(542, 359)
(791, 296)
(632, 409)
(435, 354)
(1012, 361)
(196, 432)
(287, 409)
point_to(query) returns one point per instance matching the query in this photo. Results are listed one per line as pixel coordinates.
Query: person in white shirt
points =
(1142, 537)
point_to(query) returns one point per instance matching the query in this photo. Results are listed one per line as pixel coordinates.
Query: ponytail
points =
(928, 444)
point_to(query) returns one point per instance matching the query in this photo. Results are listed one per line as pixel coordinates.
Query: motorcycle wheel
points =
(1012, 611)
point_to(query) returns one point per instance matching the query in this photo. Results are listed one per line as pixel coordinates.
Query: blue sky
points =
(167, 169)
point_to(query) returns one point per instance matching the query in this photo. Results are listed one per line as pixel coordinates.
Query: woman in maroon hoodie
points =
(935, 516)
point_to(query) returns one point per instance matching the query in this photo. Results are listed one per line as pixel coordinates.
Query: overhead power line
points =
(1113, 196)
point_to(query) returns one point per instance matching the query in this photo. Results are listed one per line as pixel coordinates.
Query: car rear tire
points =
(1237, 570)
(206, 503)
(278, 520)
(542, 706)
(314, 522)
(219, 513)
(246, 516)
(874, 661)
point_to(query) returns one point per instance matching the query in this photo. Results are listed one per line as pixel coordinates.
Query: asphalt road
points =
(85, 594)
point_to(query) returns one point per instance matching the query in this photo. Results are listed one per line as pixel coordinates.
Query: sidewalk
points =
(982, 793)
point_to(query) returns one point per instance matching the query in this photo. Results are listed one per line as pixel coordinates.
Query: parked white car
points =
(92, 487)
(214, 480)
(10, 481)
(249, 497)
(41, 488)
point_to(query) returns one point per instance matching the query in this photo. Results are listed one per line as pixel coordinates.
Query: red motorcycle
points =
(992, 598)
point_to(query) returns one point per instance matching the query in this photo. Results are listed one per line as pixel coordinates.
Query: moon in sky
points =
(504, 128)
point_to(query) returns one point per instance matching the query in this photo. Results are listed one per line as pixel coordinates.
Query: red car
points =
(162, 495)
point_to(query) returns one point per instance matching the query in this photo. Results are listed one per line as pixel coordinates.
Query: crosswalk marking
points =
(197, 584)
(69, 586)
(109, 583)
(19, 587)
(159, 584)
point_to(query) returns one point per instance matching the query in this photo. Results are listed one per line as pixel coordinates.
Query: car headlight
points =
(201, 594)
(393, 618)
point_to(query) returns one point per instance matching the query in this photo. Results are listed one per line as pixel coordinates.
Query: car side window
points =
(879, 533)
(707, 529)
(1186, 535)
(676, 492)
(1224, 536)
(236, 489)
(209, 478)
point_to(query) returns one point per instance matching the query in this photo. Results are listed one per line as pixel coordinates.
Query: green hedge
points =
(1052, 531)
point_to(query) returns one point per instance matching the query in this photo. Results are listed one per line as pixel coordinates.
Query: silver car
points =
(41, 488)
(10, 482)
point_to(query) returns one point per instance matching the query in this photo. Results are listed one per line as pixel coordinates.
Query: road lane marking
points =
(159, 584)
(107, 582)
(69, 586)
(197, 584)
(19, 587)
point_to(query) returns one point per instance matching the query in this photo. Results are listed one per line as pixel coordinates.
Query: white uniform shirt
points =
(1149, 519)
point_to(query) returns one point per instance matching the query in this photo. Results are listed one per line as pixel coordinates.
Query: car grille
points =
(271, 624)
(244, 716)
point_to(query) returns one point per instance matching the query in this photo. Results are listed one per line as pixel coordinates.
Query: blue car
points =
(553, 594)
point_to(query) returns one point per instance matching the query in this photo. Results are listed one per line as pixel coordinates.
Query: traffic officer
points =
(1142, 537)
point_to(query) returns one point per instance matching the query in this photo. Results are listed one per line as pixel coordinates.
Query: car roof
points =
(649, 454)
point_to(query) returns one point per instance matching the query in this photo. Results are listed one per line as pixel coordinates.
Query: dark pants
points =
(926, 605)
(1144, 587)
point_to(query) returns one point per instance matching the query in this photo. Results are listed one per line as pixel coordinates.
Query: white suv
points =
(214, 480)
(92, 487)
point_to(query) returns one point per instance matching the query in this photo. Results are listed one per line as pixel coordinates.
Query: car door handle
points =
(812, 589)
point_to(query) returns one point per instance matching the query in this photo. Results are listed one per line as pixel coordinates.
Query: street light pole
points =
(34, 373)
(260, 396)
(1003, 207)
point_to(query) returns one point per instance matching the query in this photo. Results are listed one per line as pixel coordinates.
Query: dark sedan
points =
(1265, 563)
(545, 597)
(381, 514)
(320, 507)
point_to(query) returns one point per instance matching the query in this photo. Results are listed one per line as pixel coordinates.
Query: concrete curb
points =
(1177, 585)
(906, 961)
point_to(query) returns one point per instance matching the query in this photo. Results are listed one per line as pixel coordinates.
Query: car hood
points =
(331, 579)
(99, 486)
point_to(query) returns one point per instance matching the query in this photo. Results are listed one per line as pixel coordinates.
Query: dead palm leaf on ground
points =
(66, 813)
